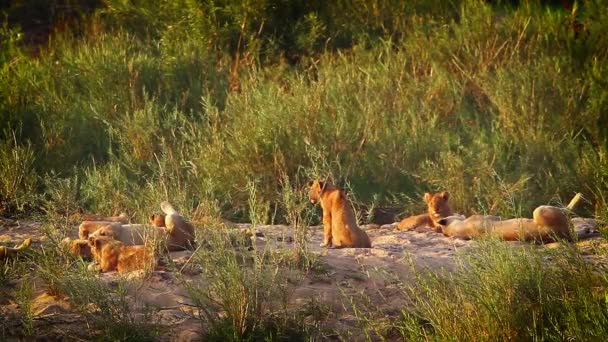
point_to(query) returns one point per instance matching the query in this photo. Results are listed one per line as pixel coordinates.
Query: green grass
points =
(485, 101)
(496, 291)
(505, 292)
(229, 108)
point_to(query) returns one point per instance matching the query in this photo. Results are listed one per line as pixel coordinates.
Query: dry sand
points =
(344, 274)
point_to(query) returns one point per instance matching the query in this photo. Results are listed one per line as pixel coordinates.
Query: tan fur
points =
(78, 247)
(131, 234)
(87, 228)
(180, 232)
(157, 220)
(340, 225)
(438, 207)
(93, 222)
(122, 218)
(547, 224)
(113, 255)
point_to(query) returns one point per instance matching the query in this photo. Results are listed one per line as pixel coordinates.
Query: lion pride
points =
(340, 225)
(547, 224)
(438, 207)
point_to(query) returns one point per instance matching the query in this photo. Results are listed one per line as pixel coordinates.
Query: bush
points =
(500, 291)
(497, 103)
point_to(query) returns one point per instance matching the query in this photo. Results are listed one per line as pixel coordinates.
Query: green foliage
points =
(113, 308)
(505, 292)
(248, 285)
(17, 178)
(499, 104)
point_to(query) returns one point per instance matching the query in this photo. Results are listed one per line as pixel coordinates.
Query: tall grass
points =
(245, 289)
(498, 104)
(505, 292)
(18, 181)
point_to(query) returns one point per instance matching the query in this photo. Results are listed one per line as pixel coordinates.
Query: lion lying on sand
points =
(438, 207)
(113, 255)
(548, 224)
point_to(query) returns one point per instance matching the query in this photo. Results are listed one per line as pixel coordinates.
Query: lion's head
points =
(316, 189)
(105, 231)
(157, 220)
(79, 247)
(438, 205)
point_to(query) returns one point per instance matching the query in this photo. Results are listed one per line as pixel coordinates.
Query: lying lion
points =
(113, 255)
(548, 223)
(93, 223)
(438, 208)
(131, 234)
(340, 224)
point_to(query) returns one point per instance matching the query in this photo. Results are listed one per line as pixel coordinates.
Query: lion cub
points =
(340, 224)
(548, 223)
(78, 247)
(438, 208)
(179, 231)
(113, 255)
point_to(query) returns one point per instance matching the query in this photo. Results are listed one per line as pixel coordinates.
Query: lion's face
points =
(80, 247)
(438, 204)
(106, 231)
(157, 220)
(316, 189)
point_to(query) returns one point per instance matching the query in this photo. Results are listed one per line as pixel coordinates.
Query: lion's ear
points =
(310, 183)
(427, 197)
(322, 185)
(92, 241)
(445, 195)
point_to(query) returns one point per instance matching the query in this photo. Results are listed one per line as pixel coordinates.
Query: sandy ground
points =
(344, 274)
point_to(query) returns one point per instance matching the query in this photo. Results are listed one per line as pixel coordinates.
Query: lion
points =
(122, 218)
(7, 252)
(438, 207)
(548, 223)
(340, 224)
(78, 247)
(131, 234)
(113, 255)
(92, 223)
(180, 232)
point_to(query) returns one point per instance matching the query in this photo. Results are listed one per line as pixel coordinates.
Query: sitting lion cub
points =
(339, 221)
(438, 207)
(547, 224)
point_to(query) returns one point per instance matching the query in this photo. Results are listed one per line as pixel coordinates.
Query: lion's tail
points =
(25, 245)
(167, 208)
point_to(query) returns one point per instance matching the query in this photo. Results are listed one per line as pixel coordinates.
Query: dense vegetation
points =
(229, 107)
(114, 105)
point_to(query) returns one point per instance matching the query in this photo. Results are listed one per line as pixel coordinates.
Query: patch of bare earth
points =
(341, 275)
